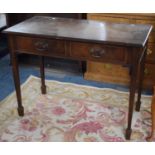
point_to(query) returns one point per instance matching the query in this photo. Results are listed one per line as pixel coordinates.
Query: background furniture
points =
(116, 73)
(14, 18)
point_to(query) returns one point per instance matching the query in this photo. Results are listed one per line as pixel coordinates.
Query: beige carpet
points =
(71, 112)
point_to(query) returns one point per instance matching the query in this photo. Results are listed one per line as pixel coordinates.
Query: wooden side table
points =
(152, 136)
(83, 40)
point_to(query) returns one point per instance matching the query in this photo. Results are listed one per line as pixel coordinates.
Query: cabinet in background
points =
(116, 73)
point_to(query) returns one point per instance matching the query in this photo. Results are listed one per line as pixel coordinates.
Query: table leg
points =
(140, 81)
(152, 136)
(42, 74)
(15, 69)
(131, 101)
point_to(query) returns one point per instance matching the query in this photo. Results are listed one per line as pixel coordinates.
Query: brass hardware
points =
(108, 66)
(146, 71)
(41, 45)
(149, 51)
(96, 52)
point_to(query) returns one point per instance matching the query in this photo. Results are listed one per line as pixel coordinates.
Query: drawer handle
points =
(41, 45)
(146, 71)
(149, 51)
(96, 52)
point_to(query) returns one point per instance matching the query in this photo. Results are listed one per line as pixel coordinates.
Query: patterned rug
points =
(71, 112)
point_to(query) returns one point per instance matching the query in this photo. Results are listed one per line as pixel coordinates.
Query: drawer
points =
(98, 52)
(40, 46)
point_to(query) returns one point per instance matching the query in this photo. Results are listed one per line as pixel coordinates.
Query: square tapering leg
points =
(42, 74)
(15, 69)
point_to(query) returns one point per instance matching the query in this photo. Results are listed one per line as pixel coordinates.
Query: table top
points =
(83, 30)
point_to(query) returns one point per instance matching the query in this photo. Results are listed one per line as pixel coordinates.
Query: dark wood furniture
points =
(124, 44)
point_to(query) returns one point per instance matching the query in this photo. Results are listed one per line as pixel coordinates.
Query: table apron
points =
(83, 51)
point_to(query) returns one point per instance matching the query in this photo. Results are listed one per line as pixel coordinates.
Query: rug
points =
(71, 113)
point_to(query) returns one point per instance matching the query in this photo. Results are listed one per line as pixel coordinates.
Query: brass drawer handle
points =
(149, 51)
(146, 71)
(41, 45)
(97, 52)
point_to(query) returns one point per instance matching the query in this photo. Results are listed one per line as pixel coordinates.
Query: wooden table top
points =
(83, 30)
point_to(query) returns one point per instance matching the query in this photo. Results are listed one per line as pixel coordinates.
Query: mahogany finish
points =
(124, 44)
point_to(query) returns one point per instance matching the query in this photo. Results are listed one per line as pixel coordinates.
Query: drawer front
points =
(40, 46)
(98, 52)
